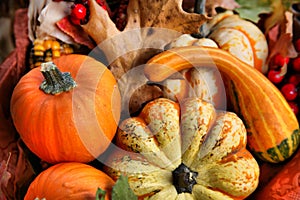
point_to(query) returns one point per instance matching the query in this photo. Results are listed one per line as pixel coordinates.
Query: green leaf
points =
(100, 194)
(251, 9)
(122, 190)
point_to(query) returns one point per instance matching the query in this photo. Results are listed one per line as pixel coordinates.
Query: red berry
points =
(296, 64)
(294, 107)
(294, 79)
(280, 60)
(274, 76)
(289, 91)
(78, 11)
(297, 45)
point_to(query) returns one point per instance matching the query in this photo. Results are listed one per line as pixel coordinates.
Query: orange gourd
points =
(72, 181)
(61, 120)
(272, 127)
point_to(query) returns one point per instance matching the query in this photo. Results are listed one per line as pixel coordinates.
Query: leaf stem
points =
(8, 159)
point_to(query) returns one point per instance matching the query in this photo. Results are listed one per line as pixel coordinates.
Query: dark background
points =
(7, 11)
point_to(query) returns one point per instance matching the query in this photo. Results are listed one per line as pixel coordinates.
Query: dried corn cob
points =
(46, 50)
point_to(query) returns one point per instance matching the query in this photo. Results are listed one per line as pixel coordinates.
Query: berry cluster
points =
(80, 11)
(120, 16)
(285, 74)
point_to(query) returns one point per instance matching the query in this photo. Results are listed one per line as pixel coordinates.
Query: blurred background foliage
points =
(250, 9)
(7, 12)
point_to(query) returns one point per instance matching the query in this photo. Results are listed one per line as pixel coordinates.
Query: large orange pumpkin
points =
(72, 181)
(60, 120)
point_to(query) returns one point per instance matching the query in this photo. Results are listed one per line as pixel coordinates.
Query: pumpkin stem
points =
(55, 81)
(184, 179)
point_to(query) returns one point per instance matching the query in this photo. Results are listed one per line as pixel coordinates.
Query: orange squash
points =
(61, 120)
(72, 181)
(273, 129)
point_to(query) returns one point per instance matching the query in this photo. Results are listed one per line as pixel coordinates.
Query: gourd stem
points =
(184, 179)
(200, 9)
(55, 81)
(199, 6)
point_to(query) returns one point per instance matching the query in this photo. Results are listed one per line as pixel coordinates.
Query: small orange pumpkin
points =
(72, 181)
(61, 120)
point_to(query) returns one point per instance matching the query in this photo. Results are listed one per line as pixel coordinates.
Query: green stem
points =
(200, 6)
(55, 81)
(200, 9)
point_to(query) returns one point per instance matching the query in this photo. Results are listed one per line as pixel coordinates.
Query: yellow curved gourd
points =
(272, 127)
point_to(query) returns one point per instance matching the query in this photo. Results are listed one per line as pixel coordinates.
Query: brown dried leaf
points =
(125, 50)
(34, 10)
(278, 28)
(141, 13)
(226, 4)
(99, 26)
(137, 100)
(280, 36)
(283, 46)
(150, 26)
(144, 13)
(11, 71)
(50, 14)
(4, 176)
(277, 16)
(169, 14)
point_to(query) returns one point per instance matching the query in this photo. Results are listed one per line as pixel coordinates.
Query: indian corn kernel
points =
(46, 50)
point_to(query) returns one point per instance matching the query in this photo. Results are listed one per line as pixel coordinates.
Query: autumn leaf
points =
(120, 191)
(5, 176)
(43, 16)
(277, 27)
(277, 16)
(226, 4)
(150, 26)
(75, 32)
(284, 46)
(252, 10)
(100, 194)
(210, 5)
(144, 13)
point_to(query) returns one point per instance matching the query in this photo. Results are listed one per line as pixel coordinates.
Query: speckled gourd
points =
(184, 151)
